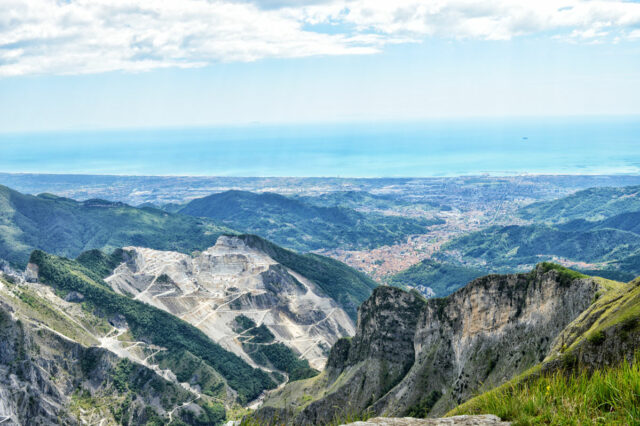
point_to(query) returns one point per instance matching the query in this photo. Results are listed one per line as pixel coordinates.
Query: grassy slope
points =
(607, 395)
(443, 278)
(344, 284)
(301, 225)
(77, 325)
(151, 324)
(66, 227)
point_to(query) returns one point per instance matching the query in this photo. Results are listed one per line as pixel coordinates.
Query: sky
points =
(107, 64)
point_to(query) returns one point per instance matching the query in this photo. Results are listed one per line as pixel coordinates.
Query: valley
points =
(408, 298)
(319, 213)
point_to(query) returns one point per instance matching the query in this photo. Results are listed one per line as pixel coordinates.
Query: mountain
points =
(435, 279)
(592, 371)
(628, 221)
(505, 246)
(608, 247)
(342, 283)
(589, 204)
(149, 324)
(66, 227)
(301, 225)
(62, 363)
(142, 336)
(417, 357)
(366, 201)
(241, 298)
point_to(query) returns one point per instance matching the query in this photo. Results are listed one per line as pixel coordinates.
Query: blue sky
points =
(95, 64)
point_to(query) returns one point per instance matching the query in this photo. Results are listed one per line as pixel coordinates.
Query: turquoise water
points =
(442, 148)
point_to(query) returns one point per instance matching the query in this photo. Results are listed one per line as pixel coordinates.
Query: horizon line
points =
(355, 121)
(474, 175)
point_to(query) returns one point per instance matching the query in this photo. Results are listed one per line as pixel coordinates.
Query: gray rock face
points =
(31, 273)
(42, 372)
(483, 420)
(74, 296)
(412, 356)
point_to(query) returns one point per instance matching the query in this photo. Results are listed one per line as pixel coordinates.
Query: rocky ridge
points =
(482, 420)
(417, 357)
(61, 364)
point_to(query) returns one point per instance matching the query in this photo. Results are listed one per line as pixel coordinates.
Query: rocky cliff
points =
(56, 368)
(412, 356)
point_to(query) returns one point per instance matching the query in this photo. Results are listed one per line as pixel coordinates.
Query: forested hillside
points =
(304, 226)
(67, 227)
(589, 204)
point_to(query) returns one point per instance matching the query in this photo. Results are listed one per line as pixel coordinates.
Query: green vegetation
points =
(33, 305)
(101, 263)
(66, 227)
(600, 226)
(442, 278)
(506, 248)
(191, 369)
(590, 204)
(211, 414)
(570, 392)
(362, 200)
(424, 406)
(618, 306)
(242, 323)
(250, 333)
(565, 275)
(282, 358)
(343, 284)
(607, 396)
(346, 415)
(256, 341)
(301, 225)
(151, 324)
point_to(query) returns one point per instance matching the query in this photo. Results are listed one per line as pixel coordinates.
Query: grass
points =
(32, 305)
(619, 303)
(566, 275)
(607, 396)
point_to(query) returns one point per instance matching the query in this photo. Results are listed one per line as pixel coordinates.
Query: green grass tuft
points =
(565, 275)
(607, 396)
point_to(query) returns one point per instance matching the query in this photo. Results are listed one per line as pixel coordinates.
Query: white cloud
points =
(91, 36)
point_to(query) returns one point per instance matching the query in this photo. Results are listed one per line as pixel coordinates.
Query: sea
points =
(446, 147)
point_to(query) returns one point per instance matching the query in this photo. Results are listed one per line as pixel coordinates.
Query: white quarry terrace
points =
(210, 289)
